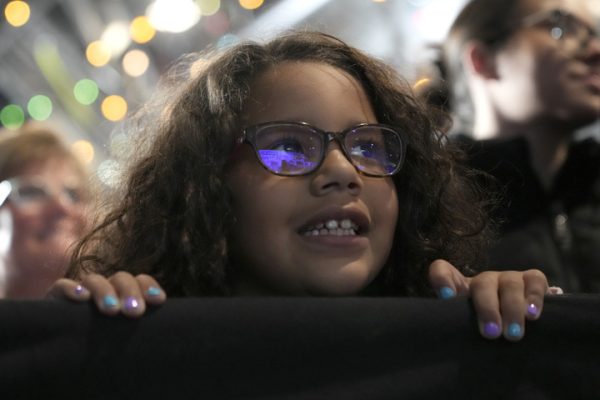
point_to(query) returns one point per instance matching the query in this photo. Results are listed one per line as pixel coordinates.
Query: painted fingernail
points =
(447, 293)
(532, 310)
(491, 329)
(514, 330)
(131, 303)
(153, 291)
(110, 301)
(80, 290)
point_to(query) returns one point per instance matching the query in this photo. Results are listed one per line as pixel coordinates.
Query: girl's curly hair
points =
(174, 218)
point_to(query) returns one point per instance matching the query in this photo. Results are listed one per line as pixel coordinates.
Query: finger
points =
(443, 279)
(68, 289)
(484, 292)
(511, 290)
(536, 285)
(554, 291)
(152, 292)
(103, 293)
(129, 293)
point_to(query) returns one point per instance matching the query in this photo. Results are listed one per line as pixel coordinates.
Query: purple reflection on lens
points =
(285, 161)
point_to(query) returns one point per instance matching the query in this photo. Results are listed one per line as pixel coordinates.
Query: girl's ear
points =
(480, 60)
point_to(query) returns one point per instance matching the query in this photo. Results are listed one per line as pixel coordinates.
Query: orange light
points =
(141, 30)
(114, 108)
(17, 13)
(98, 53)
(251, 4)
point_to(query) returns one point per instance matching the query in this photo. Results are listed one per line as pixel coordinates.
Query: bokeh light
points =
(217, 24)
(135, 62)
(109, 172)
(84, 150)
(209, 7)
(86, 91)
(39, 107)
(17, 13)
(251, 4)
(141, 30)
(98, 53)
(421, 82)
(227, 40)
(116, 37)
(173, 15)
(114, 108)
(12, 116)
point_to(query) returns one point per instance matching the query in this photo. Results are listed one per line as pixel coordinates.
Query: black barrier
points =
(296, 348)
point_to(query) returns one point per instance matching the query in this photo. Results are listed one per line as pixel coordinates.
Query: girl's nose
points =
(336, 174)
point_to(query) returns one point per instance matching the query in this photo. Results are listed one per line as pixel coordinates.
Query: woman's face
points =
(272, 251)
(45, 227)
(540, 76)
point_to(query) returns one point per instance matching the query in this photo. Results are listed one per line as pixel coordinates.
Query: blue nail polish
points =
(110, 301)
(153, 291)
(514, 330)
(491, 329)
(447, 293)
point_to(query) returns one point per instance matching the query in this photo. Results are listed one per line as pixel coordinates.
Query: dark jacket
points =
(556, 230)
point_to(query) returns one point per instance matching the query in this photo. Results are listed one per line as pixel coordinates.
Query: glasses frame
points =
(556, 18)
(9, 191)
(249, 136)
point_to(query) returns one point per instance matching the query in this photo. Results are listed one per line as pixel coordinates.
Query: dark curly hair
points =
(174, 219)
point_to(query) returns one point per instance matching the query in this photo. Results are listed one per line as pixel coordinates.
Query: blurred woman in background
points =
(525, 76)
(43, 195)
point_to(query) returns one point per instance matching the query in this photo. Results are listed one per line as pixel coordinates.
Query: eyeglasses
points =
(564, 27)
(297, 148)
(32, 194)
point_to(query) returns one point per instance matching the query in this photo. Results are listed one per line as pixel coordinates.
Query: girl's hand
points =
(502, 300)
(121, 293)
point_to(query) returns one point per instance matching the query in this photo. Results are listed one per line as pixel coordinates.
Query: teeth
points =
(333, 227)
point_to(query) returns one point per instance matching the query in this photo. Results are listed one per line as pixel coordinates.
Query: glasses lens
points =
(374, 150)
(289, 149)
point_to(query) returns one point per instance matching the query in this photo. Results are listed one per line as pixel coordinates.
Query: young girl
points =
(299, 167)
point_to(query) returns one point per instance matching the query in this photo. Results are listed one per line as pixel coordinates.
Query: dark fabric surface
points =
(557, 229)
(285, 348)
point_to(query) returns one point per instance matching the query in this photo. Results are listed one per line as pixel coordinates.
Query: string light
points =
(17, 13)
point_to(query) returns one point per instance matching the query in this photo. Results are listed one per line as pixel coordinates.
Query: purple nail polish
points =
(131, 303)
(79, 290)
(491, 329)
(532, 310)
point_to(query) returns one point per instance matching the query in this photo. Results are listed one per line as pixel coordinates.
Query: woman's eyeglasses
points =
(563, 26)
(297, 148)
(32, 194)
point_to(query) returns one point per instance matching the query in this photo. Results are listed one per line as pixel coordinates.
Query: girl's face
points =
(272, 250)
(544, 76)
(45, 226)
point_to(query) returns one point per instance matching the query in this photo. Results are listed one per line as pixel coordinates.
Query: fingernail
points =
(532, 310)
(153, 291)
(110, 301)
(447, 293)
(80, 290)
(514, 330)
(491, 329)
(131, 303)
(555, 290)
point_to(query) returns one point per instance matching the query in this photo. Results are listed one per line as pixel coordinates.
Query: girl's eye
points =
(32, 193)
(288, 145)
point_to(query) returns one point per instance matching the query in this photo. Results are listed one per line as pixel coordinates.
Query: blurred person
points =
(525, 76)
(43, 193)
